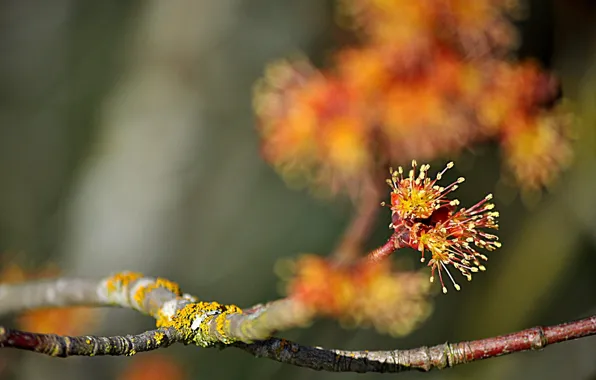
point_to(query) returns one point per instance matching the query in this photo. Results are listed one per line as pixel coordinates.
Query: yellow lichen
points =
(222, 324)
(161, 319)
(141, 293)
(120, 280)
(194, 320)
(205, 311)
(158, 337)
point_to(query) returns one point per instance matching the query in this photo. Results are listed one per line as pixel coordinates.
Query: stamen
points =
(452, 236)
(455, 285)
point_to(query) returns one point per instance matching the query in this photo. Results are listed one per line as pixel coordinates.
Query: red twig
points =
(531, 339)
(385, 250)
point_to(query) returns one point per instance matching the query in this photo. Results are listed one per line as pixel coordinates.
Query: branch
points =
(50, 293)
(181, 318)
(64, 346)
(201, 323)
(351, 244)
(383, 251)
(441, 356)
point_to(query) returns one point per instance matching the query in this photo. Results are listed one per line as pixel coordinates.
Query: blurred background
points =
(128, 141)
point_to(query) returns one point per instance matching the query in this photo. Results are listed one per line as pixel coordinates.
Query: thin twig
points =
(353, 239)
(385, 250)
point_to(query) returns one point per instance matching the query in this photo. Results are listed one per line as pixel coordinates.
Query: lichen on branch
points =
(444, 355)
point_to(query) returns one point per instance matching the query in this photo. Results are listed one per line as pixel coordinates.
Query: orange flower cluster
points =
(62, 321)
(363, 294)
(424, 219)
(429, 79)
(153, 366)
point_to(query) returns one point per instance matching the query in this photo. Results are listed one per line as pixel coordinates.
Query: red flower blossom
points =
(426, 220)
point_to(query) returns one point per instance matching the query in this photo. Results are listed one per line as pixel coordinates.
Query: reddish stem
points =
(385, 250)
(531, 339)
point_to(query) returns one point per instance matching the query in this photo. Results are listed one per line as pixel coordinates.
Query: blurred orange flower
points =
(366, 293)
(153, 366)
(62, 321)
(428, 79)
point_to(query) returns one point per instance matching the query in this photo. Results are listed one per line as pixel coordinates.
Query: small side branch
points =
(353, 239)
(385, 250)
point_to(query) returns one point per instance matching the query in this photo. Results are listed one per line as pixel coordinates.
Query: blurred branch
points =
(351, 244)
(182, 318)
(49, 293)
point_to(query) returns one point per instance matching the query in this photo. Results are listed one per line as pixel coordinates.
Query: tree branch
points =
(64, 346)
(441, 356)
(50, 293)
(181, 318)
(201, 323)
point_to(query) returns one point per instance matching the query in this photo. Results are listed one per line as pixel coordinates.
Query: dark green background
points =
(90, 178)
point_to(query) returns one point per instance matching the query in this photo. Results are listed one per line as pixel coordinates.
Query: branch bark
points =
(64, 346)
(424, 359)
(183, 319)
